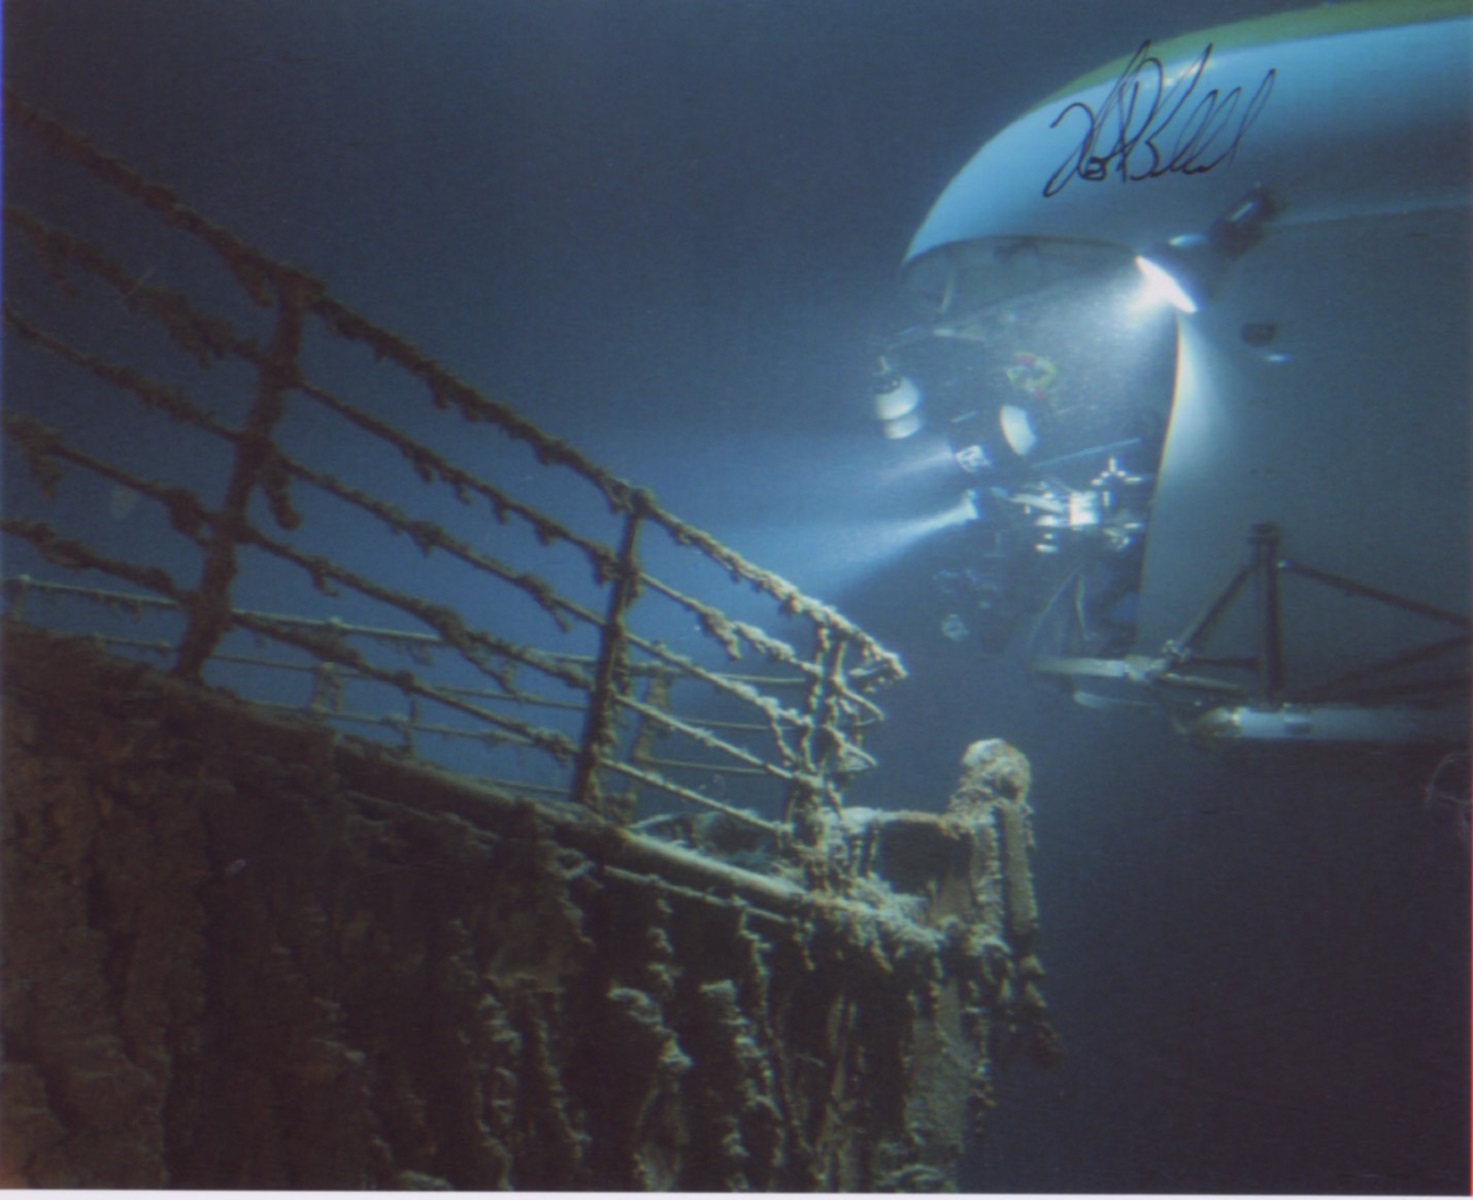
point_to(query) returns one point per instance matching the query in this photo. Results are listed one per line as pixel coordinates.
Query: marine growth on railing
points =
(229, 471)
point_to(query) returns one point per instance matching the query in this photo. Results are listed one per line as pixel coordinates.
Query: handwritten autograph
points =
(1157, 129)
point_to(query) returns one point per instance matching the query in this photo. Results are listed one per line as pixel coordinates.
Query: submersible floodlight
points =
(1186, 270)
(896, 402)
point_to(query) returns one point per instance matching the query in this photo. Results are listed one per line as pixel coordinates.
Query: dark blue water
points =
(669, 230)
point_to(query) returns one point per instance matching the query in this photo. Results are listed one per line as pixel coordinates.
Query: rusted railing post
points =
(806, 799)
(209, 605)
(609, 673)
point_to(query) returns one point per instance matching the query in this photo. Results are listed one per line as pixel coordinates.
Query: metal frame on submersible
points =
(1216, 711)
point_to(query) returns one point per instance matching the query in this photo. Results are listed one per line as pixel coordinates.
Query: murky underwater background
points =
(669, 232)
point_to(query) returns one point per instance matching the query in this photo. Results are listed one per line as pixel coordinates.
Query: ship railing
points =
(234, 473)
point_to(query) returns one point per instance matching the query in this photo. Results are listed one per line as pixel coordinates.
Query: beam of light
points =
(1161, 287)
(1114, 319)
(824, 557)
(923, 460)
(824, 513)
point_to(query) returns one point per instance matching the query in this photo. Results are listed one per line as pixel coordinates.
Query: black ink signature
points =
(1145, 129)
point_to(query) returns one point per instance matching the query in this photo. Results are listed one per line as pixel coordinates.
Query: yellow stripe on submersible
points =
(1302, 24)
